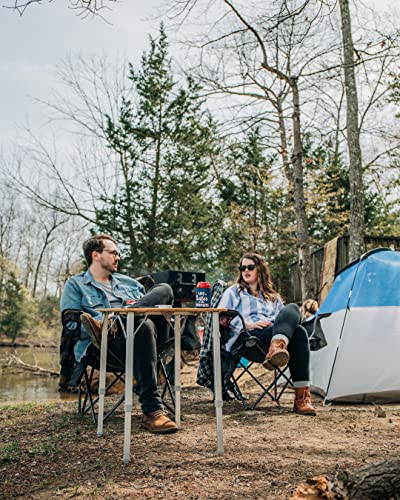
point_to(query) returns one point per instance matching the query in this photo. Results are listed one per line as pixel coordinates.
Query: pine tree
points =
(164, 140)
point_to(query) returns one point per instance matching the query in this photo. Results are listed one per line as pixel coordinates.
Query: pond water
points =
(26, 386)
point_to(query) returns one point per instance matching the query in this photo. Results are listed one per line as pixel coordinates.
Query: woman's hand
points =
(258, 325)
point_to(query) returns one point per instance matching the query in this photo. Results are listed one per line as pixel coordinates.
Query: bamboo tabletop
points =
(161, 310)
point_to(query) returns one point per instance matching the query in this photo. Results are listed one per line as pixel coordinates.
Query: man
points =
(101, 286)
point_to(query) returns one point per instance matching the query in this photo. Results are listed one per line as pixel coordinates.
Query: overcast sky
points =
(32, 45)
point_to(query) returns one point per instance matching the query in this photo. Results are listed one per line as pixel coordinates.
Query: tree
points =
(83, 7)
(356, 231)
(16, 306)
(164, 140)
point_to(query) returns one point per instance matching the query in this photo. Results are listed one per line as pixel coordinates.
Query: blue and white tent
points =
(361, 362)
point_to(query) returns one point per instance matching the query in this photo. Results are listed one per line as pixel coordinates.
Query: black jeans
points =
(288, 323)
(151, 333)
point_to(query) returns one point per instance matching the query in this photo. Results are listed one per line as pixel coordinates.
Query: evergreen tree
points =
(17, 308)
(164, 140)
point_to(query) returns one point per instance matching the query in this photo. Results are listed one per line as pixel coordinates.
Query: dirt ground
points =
(48, 451)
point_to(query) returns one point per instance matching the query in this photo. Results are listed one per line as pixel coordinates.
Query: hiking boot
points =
(93, 327)
(158, 423)
(302, 402)
(277, 355)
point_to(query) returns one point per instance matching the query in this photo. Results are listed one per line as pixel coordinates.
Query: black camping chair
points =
(245, 353)
(247, 347)
(250, 349)
(82, 375)
(254, 353)
(83, 372)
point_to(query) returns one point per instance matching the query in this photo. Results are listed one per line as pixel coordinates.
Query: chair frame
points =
(253, 351)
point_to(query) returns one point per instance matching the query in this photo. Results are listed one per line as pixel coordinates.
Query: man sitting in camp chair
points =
(101, 286)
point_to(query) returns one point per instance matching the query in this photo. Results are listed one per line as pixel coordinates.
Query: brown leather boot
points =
(277, 355)
(302, 402)
(93, 327)
(158, 423)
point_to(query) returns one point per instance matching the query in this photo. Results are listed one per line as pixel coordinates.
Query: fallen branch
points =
(370, 482)
(15, 361)
(379, 480)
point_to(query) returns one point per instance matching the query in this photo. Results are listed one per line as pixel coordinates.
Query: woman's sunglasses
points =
(250, 267)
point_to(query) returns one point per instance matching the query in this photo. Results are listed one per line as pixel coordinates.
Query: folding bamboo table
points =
(177, 314)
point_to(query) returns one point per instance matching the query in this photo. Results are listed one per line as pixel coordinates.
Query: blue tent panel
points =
(376, 283)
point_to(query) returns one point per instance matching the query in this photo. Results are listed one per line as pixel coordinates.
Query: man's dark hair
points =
(94, 244)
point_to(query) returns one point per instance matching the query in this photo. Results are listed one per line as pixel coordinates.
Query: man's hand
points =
(259, 325)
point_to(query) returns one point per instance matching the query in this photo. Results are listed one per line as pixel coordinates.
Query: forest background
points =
(189, 163)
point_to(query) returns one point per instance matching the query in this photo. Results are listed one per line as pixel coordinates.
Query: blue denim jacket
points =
(82, 293)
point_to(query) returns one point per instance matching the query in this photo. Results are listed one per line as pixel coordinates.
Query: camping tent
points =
(361, 361)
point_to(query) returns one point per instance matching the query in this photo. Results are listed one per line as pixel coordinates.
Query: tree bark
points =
(356, 233)
(303, 244)
(376, 481)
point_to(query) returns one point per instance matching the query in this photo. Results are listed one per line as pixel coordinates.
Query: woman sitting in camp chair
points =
(276, 326)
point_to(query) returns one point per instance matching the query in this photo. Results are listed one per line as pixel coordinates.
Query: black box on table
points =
(183, 283)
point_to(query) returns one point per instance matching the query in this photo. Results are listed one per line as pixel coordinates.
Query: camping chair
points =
(247, 352)
(254, 353)
(82, 375)
(246, 349)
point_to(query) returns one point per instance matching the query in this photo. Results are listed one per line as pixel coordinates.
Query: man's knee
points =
(166, 290)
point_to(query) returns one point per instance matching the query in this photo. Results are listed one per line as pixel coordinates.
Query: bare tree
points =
(49, 228)
(83, 7)
(356, 233)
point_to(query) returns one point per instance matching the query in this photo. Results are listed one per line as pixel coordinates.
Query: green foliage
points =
(327, 192)
(164, 138)
(258, 215)
(17, 308)
(49, 310)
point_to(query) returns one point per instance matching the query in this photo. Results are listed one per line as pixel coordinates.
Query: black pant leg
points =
(287, 321)
(144, 364)
(299, 350)
(160, 294)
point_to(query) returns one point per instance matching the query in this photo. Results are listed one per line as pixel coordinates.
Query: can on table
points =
(203, 294)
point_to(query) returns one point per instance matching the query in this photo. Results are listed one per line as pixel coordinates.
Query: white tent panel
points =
(367, 365)
(322, 360)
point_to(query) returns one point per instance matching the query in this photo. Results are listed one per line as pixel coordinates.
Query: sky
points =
(32, 45)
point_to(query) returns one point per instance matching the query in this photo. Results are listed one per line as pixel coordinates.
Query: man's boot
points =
(158, 423)
(93, 327)
(302, 402)
(277, 355)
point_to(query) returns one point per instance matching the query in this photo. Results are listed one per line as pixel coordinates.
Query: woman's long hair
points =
(263, 276)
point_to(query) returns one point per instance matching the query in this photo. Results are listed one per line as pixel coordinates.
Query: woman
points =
(275, 325)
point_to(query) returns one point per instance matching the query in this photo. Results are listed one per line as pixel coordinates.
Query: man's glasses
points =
(250, 267)
(113, 252)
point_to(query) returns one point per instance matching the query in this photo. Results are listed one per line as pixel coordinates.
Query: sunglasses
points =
(250, 267)
(113, 252)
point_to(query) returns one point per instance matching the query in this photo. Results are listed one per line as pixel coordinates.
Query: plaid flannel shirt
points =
(205, 376)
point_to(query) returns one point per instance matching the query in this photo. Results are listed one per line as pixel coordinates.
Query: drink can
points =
(203, 294)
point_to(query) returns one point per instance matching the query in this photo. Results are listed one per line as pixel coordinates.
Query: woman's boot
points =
(302, 402)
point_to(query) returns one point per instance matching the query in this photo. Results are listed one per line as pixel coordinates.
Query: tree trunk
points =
(376, 481)
(303, 244)
(356, 233)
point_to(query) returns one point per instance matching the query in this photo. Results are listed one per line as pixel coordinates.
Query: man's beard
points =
(108, 268)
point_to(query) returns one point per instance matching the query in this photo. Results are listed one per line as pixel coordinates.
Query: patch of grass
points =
(10, 452)
(46, 449)
(63, 421)
(240, 414)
